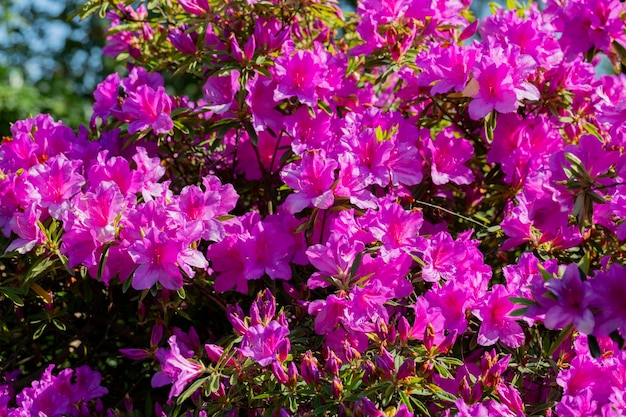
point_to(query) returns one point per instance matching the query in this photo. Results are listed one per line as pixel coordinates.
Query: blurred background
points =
(51, 64)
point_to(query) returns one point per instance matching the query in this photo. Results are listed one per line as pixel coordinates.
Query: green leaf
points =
(10, 293)
(59, 325)
(444, 395)
(420, 406)
(40, 266)
(39, 331)
(322, 409)
(103, 260)
(545, 274)
(181, 293)
(617, 338)
(442, 370)
(405, 400)
(127, 284)
(254, 137)
(594, 346)
(214, 384)
(324, 106)
(356, 264)
(518, 312)
(192, 388)
(521, 301)
(585, 263)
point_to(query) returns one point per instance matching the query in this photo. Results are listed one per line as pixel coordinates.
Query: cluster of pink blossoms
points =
(349, 155)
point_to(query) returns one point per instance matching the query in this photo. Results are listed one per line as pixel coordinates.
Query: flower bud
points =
(429, 337)
(235, 316)
(369, 409)
(255, 315)
(235, 49)
(135, 354)
(283, 349)
(403, 329)
(407, 369)
(214, 352)
(333, 363)
(249, 48)
(385, 362)
(351, 352)
(279, 372)
(157, 334)
(336, 387)
(369, 370)
(447, 343)
(292, 373)
(267, 305)
(309, 368)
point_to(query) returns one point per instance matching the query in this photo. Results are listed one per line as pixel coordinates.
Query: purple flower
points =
(609, 293)
(106, 98)
(219, 91)
(56, 181)
(196, 7)
(183, 40)
(497, 324)
(447, 157)
(572, 302)
(300, 75)
(261, 343)
(175, 369)
(491, 88)
(445, 68)
(157, 256)
(27, 229)
(148, 108)
(57, 396)
(312, 180)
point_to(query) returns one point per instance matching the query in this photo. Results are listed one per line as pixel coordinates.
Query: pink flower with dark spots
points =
(148, 108)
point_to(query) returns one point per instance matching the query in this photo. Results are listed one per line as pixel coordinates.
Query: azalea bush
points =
(284, 209)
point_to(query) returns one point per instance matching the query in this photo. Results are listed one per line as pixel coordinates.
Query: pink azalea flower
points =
(261, 103)
(183, 40)
(300, 75)
(312, 180)
(441, 257)
(148, 108)
(175, 369)
(445, 68)
(270, 249)
(106, 98)
(56, 181)
(608, 289)
(491, 88)
(195, 7)
(372, 156)
(157, 256)
(572, 302)
(447, 156)
(333, 261)
(261, 343)
(219, 92)
(397, 230)
(24, 225)
(497, 324)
